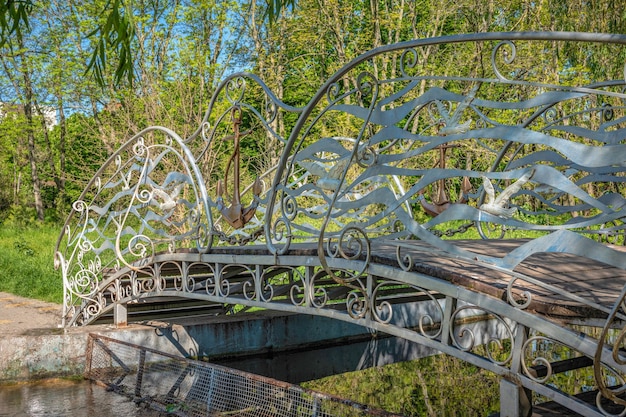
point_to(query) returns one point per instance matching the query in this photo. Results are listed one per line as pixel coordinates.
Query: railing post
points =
(515, 400)
(449, 308)
(120, 315)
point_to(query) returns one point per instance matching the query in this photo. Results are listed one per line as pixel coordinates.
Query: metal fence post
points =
(120, 315)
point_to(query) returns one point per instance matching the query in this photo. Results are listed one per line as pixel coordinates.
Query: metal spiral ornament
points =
(513, 300)
(508, 57)
(408, 60)
(235, 89)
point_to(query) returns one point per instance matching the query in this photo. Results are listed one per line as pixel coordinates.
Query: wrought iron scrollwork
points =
(498, 348)
(612, 341)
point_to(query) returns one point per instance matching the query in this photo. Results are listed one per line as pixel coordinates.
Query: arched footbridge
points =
(478, 175)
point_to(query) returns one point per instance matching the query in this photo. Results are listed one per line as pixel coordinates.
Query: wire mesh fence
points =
(186, 387)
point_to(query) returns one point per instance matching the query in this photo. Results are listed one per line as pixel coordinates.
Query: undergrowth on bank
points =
(27, 262)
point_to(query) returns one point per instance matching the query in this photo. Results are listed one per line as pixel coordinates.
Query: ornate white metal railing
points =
(479, 137)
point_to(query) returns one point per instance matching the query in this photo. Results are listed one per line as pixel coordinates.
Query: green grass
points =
(27, 262)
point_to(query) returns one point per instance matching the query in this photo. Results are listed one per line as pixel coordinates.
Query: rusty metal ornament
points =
(235, 214)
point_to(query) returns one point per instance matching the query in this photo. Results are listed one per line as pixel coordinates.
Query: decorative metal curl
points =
(498, 343)
(139, 249)
(405, 262)
(249, 290)
(408, 60)
(507, 59)
(616, 351)
(427, 320)
(83, 283)
(144, 196)
(600, 406)
(178, 281)
(318, 296)
(551, 115)
(206, 131)
(297, 294)
(264, 289)
(204, 238)
(144, 283)
(480, 123)
(79, 206)
(366, 157)
(538, 360)
(95, 265)
(367, 87)
(235, 89)
(158, 282)
(271, 110)
(183, 281)
(139, 148)
(84, 246)
(218, 286)
(357, 245)
(294, 289)
(289, 206)
(466, 332)
(357, 305)
(94, 308)
(333, 92)
(383, 311)
(527, 295)
(281, 233)
(607, 112)
(189, 282)
(115, 290)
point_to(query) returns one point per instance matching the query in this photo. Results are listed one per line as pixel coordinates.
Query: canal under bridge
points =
(399, 200)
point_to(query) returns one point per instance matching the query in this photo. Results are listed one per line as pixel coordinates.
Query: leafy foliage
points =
(116, 33)
(14, 18)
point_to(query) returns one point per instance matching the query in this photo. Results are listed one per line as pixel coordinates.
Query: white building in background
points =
(49, 113)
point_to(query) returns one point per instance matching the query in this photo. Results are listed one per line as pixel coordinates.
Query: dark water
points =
(60, 398)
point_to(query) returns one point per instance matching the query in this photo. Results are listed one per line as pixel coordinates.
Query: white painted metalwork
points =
(534, 157)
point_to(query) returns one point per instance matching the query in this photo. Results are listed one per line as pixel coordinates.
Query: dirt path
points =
(20, 315)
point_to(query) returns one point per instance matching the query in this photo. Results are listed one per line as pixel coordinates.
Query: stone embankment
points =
(32, 345)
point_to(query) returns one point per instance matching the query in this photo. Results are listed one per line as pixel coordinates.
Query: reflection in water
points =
(61, 398)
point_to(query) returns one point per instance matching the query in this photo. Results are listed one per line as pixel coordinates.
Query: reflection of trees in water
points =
(436, 385)
(443, 385)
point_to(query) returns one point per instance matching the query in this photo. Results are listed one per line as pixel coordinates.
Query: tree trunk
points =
(32, 156)
(62, 136)
(30, 129)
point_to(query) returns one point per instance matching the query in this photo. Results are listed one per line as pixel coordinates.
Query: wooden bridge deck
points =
(592, 281)
(574, 275)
